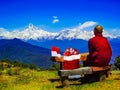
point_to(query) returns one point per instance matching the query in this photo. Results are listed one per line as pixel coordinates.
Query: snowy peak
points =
(75, 34)
(31, 32)
(35, 33)
(31, 26)
(82, 31)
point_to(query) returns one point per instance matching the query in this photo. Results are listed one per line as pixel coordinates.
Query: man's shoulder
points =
(98, 39)
(92, 39)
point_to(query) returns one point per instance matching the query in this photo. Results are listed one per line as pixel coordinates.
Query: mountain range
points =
(84, 31)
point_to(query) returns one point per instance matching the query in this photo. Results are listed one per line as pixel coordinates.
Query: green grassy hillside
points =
(26, 79)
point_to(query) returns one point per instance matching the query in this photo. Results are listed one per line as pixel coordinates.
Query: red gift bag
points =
(71, 59)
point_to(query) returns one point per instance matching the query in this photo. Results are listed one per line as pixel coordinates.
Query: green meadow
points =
(27, 79)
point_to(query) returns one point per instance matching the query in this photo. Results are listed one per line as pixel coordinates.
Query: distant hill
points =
(16, 49)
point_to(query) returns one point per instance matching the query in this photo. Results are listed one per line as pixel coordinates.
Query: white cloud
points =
(55, 19)
(87, 24)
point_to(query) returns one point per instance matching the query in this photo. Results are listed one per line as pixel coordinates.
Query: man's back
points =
(100, 50)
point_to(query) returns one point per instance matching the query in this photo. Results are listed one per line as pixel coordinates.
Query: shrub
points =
(55, 66)
(1, 71)
(32, 66)
(6, 60)
(16, 63)
(13, 71)
(23, 65)
(10, 71)
(1, 67)
(117, 62)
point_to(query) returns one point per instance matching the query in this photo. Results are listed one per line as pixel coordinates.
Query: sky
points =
(55, 15)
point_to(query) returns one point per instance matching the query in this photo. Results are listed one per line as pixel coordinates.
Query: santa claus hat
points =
(71, 54)
(68, 52)
(55, 51)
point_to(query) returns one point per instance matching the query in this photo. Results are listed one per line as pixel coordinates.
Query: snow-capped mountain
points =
(83, 31)
(3, 33)
(35, 33)
(31, 32)
(74, 34)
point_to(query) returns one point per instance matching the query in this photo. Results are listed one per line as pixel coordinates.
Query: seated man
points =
(99, 49)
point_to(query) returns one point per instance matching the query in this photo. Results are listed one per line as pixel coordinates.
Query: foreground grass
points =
(39, 80)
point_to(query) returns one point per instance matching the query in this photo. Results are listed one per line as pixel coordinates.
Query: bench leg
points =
(64, 81)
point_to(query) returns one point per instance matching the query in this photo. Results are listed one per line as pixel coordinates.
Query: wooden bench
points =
(86, 74)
